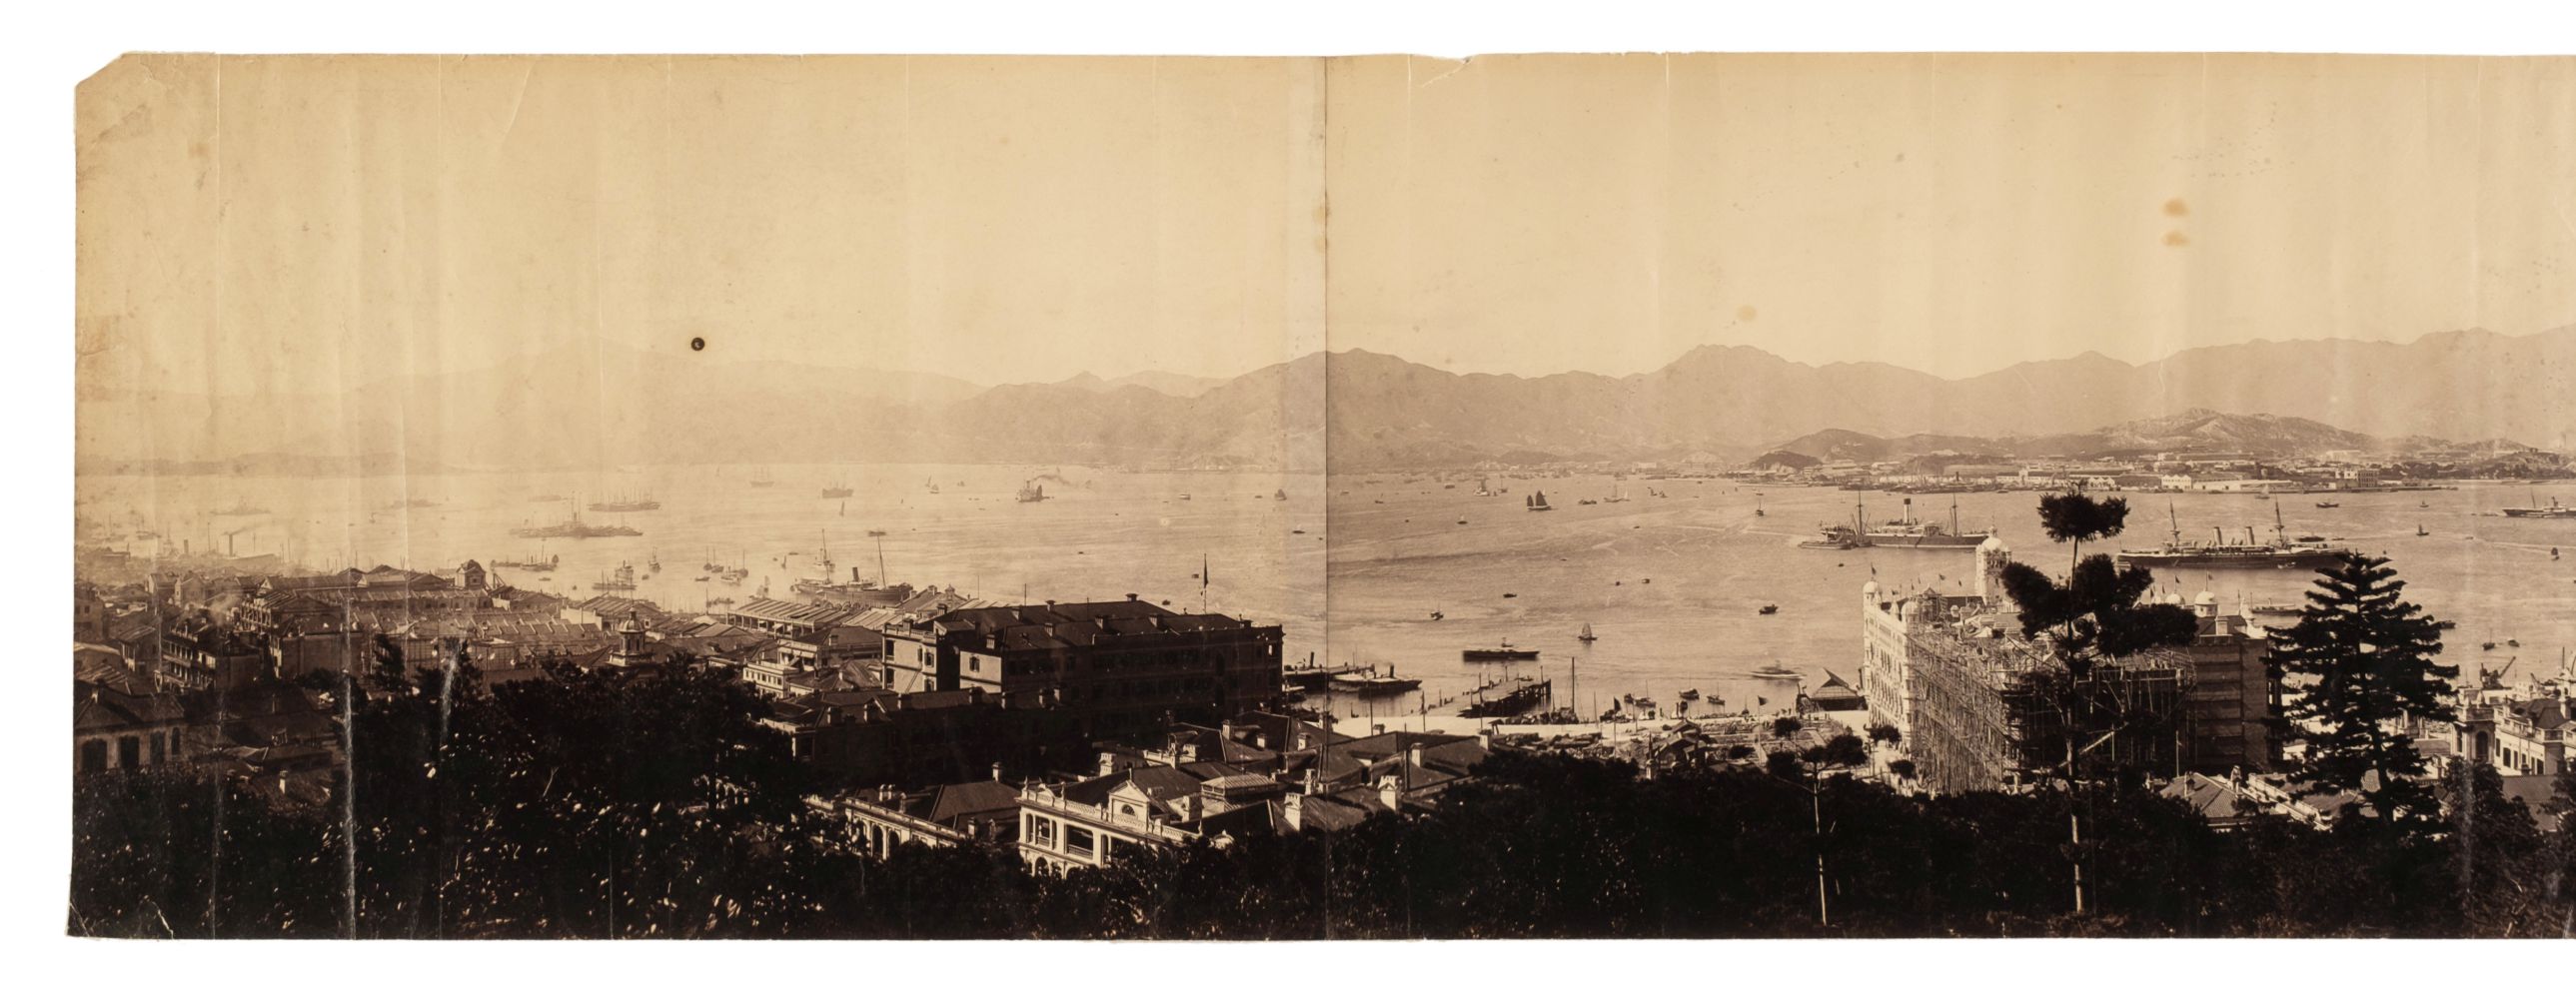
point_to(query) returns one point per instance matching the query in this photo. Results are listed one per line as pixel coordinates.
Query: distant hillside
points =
(1735, 401)
(2192, 430)
(614, 405)
(1165, 382)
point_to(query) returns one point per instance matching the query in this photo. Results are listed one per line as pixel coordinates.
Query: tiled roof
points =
(955, 800)
(611, 606)
(790, 611)
(1039, 626)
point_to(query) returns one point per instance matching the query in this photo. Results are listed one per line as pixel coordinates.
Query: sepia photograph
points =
(1704, 496)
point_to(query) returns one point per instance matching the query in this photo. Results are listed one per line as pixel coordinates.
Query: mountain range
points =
(610, 404)
(2200, 430)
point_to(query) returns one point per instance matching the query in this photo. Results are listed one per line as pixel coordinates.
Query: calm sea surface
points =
(1672, 585)
(1099, 535)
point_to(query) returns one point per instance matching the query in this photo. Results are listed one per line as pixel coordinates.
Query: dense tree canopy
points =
(2361, 657)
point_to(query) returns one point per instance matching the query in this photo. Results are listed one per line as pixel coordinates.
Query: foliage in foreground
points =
(588, 806)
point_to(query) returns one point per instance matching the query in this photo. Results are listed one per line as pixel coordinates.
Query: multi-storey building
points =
(818, 647)
(2233, 701)
(1088, 823)
(201, 652)
(1980, 707)
(1118, 663)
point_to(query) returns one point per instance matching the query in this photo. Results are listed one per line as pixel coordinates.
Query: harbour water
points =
(1099, 535)
(1673, 585)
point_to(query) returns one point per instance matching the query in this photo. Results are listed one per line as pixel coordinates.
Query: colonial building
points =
(1088, 823)
(2521, 731)
(1118, 662)
(883, 818)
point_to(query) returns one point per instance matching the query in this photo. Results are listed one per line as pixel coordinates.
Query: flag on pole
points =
(1203, 571)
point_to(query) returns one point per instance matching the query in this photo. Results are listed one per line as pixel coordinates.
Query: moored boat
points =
(1371, 682)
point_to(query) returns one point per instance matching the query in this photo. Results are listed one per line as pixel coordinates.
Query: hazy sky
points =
(1020, 220)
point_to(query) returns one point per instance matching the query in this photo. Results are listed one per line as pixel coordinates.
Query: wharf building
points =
(818, 646)
(1978, 707)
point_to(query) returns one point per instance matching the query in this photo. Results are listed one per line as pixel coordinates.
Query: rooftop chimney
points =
(997, 772)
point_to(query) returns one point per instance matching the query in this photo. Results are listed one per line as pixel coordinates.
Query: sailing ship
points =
(1032, 491)
(1537, 501)
(623, 580)
(761, 478)
(1281, 495)
(836, 492)
(1499, 652)
(531, 563)
(1757, 505)
(1586, 634)
(2219, 552)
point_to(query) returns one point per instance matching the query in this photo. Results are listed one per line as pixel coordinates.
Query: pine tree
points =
(2366, 658)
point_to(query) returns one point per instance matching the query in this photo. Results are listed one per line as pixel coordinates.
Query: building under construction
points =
(1994, 711)
(1980, 708)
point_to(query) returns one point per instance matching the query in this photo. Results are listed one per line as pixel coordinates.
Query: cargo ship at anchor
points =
(626, 504)
(575, 528)
(2554, 509)
(1502, 652)
(1908, 532)
(2220, 553)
